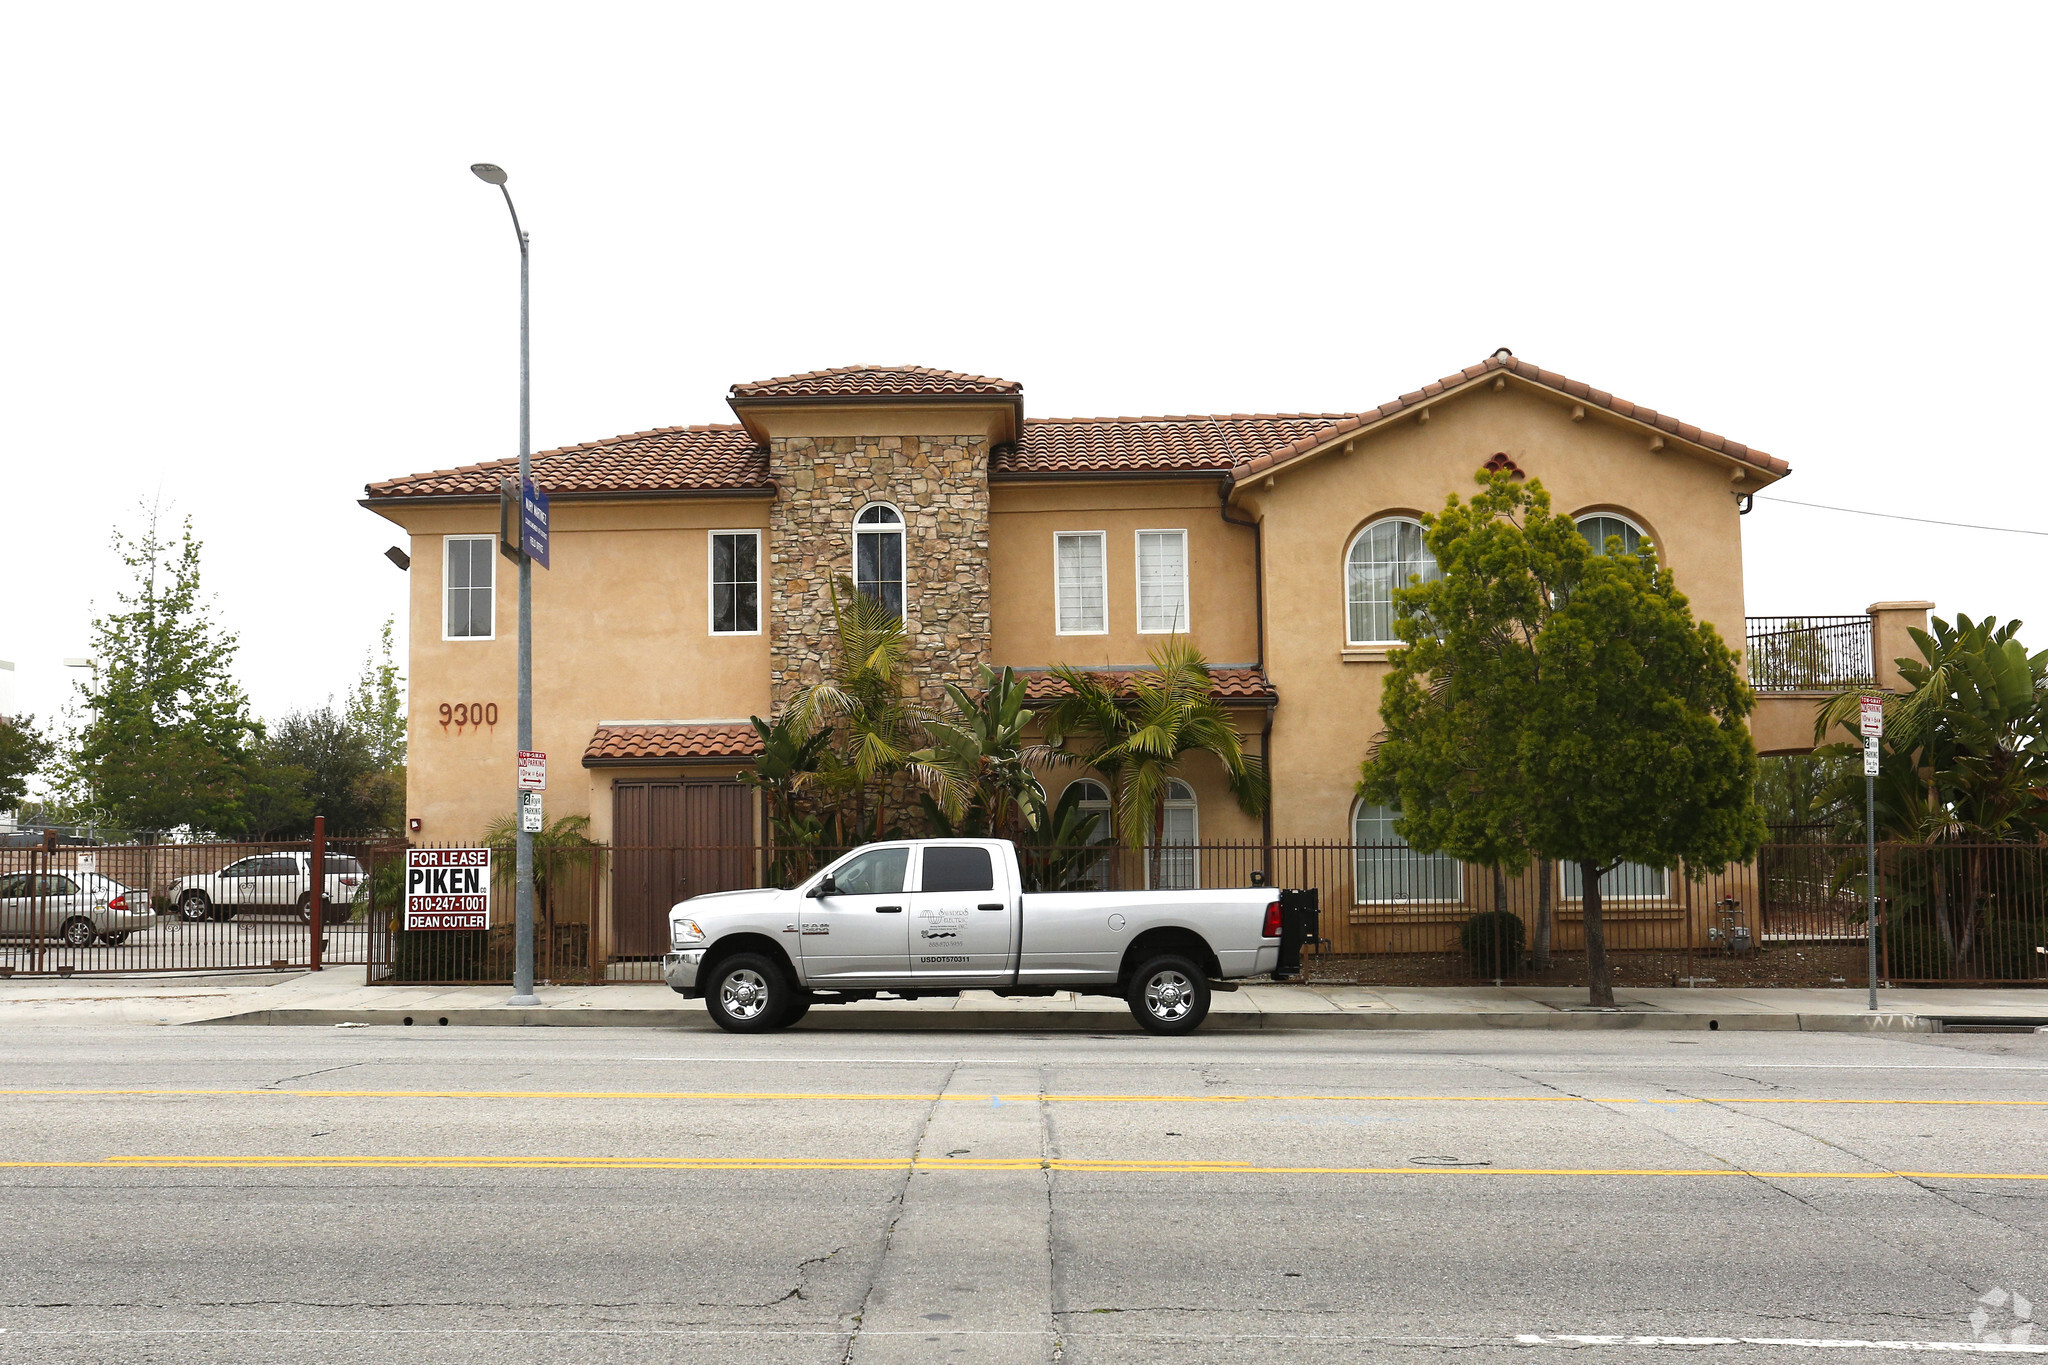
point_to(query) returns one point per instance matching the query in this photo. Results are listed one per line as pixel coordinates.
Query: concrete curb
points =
(844, 1018)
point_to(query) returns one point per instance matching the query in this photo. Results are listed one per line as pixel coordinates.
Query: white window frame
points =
(1192, 804)
(447, 552)
(900, 529)
(1580, 519)
(1358, 896)
(1658, 897)
(711, 582)
(1344, 570)
(1102, 545)
(1138, 566)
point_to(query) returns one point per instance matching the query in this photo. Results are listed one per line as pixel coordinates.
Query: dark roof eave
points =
(1107, 475)
(693, 760)
(614, 495)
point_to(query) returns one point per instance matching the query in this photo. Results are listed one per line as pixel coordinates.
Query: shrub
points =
(1492, 940)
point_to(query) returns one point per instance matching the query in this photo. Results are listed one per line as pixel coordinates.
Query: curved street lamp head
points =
(489, 174)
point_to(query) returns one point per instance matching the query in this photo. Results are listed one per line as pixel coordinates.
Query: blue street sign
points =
(533, 523)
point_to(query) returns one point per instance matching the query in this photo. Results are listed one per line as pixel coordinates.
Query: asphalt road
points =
(235, 1194)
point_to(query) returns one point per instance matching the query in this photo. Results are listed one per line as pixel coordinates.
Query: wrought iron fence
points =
(84, 908)
(1809, 653)
(1951, 914)
(1390, 916)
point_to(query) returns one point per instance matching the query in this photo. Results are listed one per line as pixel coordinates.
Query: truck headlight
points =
(685, 931)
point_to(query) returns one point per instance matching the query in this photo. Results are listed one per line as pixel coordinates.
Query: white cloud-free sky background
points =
(247, 269)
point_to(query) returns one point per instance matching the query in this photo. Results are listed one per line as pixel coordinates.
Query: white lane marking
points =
(1804, 1343)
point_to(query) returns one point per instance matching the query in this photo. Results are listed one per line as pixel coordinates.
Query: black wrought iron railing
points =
(1809, 653)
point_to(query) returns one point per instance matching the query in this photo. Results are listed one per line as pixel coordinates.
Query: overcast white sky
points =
(246, 266)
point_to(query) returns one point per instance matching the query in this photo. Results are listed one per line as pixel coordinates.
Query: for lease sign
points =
(447, 888)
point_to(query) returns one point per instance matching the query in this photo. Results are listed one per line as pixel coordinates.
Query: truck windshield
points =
(879, 873)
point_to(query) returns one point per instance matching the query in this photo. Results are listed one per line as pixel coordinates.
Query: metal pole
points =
(1870, 853)
(522, 972)
(316, 912)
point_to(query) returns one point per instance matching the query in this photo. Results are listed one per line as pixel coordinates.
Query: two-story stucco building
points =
(690, 569)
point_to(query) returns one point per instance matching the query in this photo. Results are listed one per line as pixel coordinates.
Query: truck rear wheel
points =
(1169, 994)
(747, 993)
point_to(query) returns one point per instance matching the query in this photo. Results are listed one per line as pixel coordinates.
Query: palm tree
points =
(982, 748)
(864, 700)
(1137, 736)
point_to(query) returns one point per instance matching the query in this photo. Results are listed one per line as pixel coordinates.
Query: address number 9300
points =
(466, 713)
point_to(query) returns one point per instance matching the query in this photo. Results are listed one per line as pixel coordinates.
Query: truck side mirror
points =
(827, 887)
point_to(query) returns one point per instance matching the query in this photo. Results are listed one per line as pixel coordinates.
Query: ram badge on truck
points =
(939, 916)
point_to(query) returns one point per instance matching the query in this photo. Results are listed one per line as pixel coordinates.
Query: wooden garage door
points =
(671, 841)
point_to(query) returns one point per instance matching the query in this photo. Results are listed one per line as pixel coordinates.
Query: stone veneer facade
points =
(940, 484)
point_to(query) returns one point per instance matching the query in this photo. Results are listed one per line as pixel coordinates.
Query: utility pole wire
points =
(1899, 516)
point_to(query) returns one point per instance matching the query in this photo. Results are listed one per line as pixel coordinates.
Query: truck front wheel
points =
(747, 993)
(1169, 995)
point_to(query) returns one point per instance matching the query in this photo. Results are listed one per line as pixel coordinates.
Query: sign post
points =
(1871, 712)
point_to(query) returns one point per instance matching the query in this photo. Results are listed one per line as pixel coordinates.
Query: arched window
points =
(1388, 872)
(1386, 555)
(1175, 865)
(1598, 527)
(878, 555)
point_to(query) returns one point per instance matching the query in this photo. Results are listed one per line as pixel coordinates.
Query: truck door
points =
(961, 917)
(857, 933)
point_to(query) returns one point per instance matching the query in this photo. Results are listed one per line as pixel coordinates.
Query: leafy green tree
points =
(1562, 704)
(376, 703)
(23, 752)
(341, 774)
(1138, 737)
(1806, 790)
(162, 730)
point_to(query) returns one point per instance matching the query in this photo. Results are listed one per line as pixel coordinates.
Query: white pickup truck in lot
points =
(938, 916)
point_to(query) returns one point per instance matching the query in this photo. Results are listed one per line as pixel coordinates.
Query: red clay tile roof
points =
(1194, 445)
(1231, 684)
(1522, 369)
(721, 458)
(628, 745)
(875, 381)
(724, 458)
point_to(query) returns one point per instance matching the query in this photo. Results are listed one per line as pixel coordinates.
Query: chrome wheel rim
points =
(1169, 995)
(193, 907)
(78, 934)
(744, 994)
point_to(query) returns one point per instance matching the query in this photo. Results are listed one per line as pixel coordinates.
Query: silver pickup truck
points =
(938, 916)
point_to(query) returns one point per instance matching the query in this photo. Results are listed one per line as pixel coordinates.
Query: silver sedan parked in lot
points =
(72, 907)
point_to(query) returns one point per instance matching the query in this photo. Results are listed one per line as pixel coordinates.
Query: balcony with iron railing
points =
(1810, 653)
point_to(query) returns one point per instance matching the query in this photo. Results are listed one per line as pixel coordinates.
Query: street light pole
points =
(522, 971)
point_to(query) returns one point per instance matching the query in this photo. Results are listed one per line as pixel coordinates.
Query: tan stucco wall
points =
(1329, 708)
(1024, 519)
(621, 633)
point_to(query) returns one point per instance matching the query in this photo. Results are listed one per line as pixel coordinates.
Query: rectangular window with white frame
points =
(735, 582)
(1080, 583)
(1627, 882)
(1162, 582)
(471, 563)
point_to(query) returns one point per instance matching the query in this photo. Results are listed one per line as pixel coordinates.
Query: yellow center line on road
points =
(926, 1097)
(1073, 1166)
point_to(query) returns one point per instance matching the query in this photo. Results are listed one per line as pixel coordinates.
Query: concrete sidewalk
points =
(337, 997)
